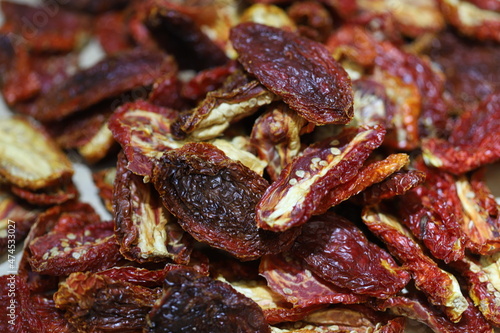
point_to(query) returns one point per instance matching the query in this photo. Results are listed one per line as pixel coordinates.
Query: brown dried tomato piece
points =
(95, 6)
(35, 161)
(370, 174)
(415, 307)
(114, 75)
(312, 18)
(192, 302)
(143, 131)
(144, 229)
(441, 287)
(111, 29)
(371, 104)
(27, 313)
(46, 28)
(70, 238)
(329, 245)
(472, 20)
(482, 283)
(49, 195)
(276, 137)
(294, 197)
(474, 140)
(297, 69)
(288, 277)
(166, 92)
(104, 181)
(396, 184)
(346, 319)
(178, 34)
(214, 198)
(21, 217)
(239, 97)
(97, 302)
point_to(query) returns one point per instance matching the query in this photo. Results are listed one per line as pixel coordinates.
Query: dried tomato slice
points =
(298, 69)
(288, 277)
(276, 136)
(104, 181)
(441, 287)
(95, 6)
(49, 195)
(193, 302)
(474, 141)
(144, 229)
(35, 161)
(313, 20)
(214, 198)
(114, 75)
(106, 301)
(329, 244)
(294, 197)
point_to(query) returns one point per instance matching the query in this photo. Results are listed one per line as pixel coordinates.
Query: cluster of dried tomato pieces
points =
(277, 166)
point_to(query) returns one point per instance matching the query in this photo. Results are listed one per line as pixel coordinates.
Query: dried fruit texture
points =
(276, 137)
(97, 302)
(178, 34)
(416, 308)
(469, 66)
(48, 196)
(214, 198)
(268, 14)
(312, 19)
(346, 319)
(95, 6)
(337, 250)
(294, 197)
(143, 131)
(473, 142)
(144, 229)
(288, 277)
(70, 238)
(21, 215)
(192, 302)
(166, 92)
(109, 78)
(297, 69)
(371, 104)
(482, 281)
(440, 287)
(449, 212)
(471, 20)
(104, 181)
(29, 157)
(112, 31)
(369, 174)
(64, 31)
(239, 97)
(396, 184)
(31, 313)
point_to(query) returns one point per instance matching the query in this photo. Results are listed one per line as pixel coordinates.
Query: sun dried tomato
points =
(111, 29)
(471, 20)
(417, 308)
(49, 195)
(276, 137)
(96, 302)
(34, 162)
(144, 229)
(143, 131)
(396, 184)
(297, 69)
(294, 197)
(369, 174)
(372, 105)
(312, 18)
(441, 287)
(192, 302)
(239, 97)
(95, 6)
(178, 34)
(330, 244)
(481, 276)
(166, 92)
(70, 238)
(214, 198)
(61, 31)
(109, 78)
(473, 142)
(288, 277)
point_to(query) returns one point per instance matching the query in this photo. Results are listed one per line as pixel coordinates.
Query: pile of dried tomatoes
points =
(271, 165)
